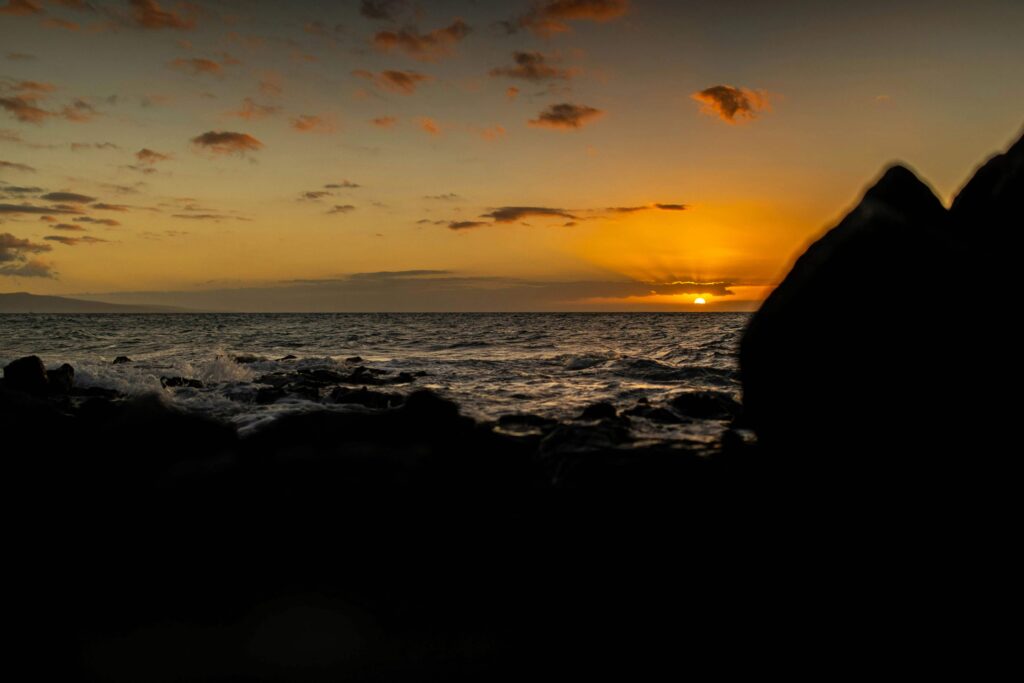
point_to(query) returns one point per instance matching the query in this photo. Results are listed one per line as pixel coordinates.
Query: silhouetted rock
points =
(288, 357)
(121, 360)
(174, 382)
(61, 380)
(989, 211)
(707, 405)
(246, 359)
(599, 411)
(27, 374)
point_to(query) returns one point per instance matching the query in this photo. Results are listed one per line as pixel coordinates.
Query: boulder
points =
(27, 374)
(856, 319)
(599, 411)
(120, 360)
(174, 382)
(61, 380)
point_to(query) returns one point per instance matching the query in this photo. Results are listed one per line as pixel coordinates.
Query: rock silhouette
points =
(872, 302)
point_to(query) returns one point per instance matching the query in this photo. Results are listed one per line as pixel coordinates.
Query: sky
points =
(457, 155)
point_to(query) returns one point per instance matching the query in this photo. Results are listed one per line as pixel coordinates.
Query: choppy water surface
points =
(492, 364)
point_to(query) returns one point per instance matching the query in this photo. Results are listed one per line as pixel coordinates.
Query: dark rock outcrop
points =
(61, 380)
(175, 382)
(27, 374)
(863, 349)
(120, 360)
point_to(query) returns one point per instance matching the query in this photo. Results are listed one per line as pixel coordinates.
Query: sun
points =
(699, 300)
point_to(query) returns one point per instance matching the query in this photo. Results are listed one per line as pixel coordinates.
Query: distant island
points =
(23, 302)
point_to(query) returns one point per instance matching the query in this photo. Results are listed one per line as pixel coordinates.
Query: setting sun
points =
(699, 300)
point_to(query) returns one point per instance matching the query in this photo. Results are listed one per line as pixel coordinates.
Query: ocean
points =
(547, 364)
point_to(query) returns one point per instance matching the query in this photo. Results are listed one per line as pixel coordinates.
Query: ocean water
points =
(491, 364)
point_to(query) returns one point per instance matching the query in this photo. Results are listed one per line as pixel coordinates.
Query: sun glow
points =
(699, 300)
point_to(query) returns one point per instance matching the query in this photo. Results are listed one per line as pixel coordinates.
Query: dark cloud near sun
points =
(343, 185)
(227, 142)
(532, 66)
(30, 208)
(566, 116)
(109, 222)
(731, 104)
(73, 241)
(13, 166)
(22, 8)
(341, 208)
(466, 225)
(23, 109)
(511, 214)
(15, 257)
(426, 47)
(149, 156)
(71, 197)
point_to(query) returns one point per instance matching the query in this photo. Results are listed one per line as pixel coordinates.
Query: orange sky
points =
(570, 155)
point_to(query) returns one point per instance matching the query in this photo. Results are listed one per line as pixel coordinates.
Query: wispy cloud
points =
(511, 214)
(309, 123)
(148, 14)
(549, 17)
(381, 10)
(532, 66)
(253, 111)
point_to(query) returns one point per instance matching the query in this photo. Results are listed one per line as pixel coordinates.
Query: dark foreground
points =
(862, 534)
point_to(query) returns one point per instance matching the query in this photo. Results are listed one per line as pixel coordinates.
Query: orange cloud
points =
(251, 111)
(512, 92)
(22, 8)
(78, 111)
(384, 121)
(402, 82)
(532, 66)
(549, 17)
(148, 156)
(491, 133)
(226, 142)
(72, 241)
(196, 65)
(307, 123)
(428, 125)
(424, 47)
(729, 103)
(382, 10)
(23, 109)
(566, 116)
(270, 83)
(149, 15)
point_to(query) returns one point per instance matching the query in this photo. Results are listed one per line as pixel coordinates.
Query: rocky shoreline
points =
(400, 540)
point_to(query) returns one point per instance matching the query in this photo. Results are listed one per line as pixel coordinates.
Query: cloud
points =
(341, 208)
(12, 166)
(673, 207)
(226, 142)
(466, 225)
(424, 47)
(110, 222)
(23, 109)
(270, 84)
(29, 208)
(73, 241)
(148, 156)
(384, 121)
(18, 190)
(71, 197)
(532, 66)
(20, 56)
(80, 5)
(511, 92)
(729, 103)
(446, 197)
(110, 207)
(511, 214)
(308, 123)
(22, 8)
(206, 217)
(402, 82)
(149, 15)
(69, 227)
(252, 111)
(195, 66)
(428, 125)
(29, 268)
(79, 111)
(343, 185)
(566, 116)
(15, 261)
(647, 207)
(548, 17)
(385, 10)
(315, 195)
(80, 146)
(491, 133)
